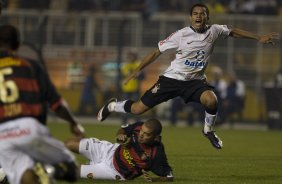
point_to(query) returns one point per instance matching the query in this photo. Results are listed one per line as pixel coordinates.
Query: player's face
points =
(145, 135)
(199, 18)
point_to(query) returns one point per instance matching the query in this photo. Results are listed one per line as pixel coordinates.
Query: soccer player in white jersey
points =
(185, 77)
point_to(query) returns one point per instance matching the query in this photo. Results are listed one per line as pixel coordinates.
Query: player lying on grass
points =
(138, 150)
(185, 77)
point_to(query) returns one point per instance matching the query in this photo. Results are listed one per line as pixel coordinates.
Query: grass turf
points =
(248, 156)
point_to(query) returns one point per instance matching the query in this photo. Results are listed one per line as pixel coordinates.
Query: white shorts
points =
(25, 141)
(100, 154)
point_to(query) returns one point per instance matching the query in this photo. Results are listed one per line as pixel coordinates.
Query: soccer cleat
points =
(104, 112)
(66, 171)
(215, 141)
(41, 173)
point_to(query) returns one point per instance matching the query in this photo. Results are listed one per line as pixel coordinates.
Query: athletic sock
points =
(112, 106)
(209, 122)
(117, 106)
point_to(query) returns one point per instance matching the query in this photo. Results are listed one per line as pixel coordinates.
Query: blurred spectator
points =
(234, 101)
(194, 111)
(103, 5)
(88, 102)
(3, 4)
(151, 7)
(74, 73)
(218, 82)
(146, 7)
(132, 88)
(219, 85)
(59, 5)
(176, 6)
(242, 6)
(34, 4)
(81, 5)
(273, 91)
(278, 78)
(279, 4)
(268, 7)
(215, 7)
(133, 5)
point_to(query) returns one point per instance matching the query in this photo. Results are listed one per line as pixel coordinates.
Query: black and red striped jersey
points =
(129, 160)
(25, 89)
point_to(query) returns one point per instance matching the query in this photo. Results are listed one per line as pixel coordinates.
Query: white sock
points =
(209, 122)
(117, 106)
(112, 106)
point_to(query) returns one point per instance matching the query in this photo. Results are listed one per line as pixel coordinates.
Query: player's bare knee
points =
(29, 177)
(72, 145)
(209, 100)
(136, 111)
(138, 108)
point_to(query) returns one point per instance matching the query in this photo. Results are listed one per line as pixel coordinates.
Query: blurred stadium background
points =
(69, 36)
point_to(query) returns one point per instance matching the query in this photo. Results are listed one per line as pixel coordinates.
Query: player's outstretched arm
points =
(150, 58)
(63, 112)
(268, 38)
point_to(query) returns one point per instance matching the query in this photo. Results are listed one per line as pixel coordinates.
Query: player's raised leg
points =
(209, 100)
(126, 106)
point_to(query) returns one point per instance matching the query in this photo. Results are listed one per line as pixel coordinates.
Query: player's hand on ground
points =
(122, 139)
(78, 130)
(269, 38)
(146, 176)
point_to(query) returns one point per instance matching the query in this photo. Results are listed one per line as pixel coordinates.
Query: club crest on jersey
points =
(90, 176)
(210, 38)
(156, 88)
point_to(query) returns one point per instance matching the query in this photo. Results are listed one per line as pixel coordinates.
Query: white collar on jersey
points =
(203, 31)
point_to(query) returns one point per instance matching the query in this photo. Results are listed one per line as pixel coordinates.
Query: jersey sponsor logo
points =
(199, 63)
(127, 156)
(14, 133)
(195, 64)
(156, 88)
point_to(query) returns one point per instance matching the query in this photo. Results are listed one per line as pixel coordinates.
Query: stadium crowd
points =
(148, 7)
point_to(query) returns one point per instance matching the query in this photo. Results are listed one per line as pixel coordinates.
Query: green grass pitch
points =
(248, 156)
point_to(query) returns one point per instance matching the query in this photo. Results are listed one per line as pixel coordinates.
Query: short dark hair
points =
(200, 5)
(154, 125)
(9, 37)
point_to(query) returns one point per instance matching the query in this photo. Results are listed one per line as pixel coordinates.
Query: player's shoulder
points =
(32, 62)
(217, 26)
(184, 30)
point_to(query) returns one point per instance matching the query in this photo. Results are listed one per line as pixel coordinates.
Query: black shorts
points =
(167, 88)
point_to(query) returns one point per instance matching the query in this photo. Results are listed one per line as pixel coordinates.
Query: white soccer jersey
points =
(193, 50)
